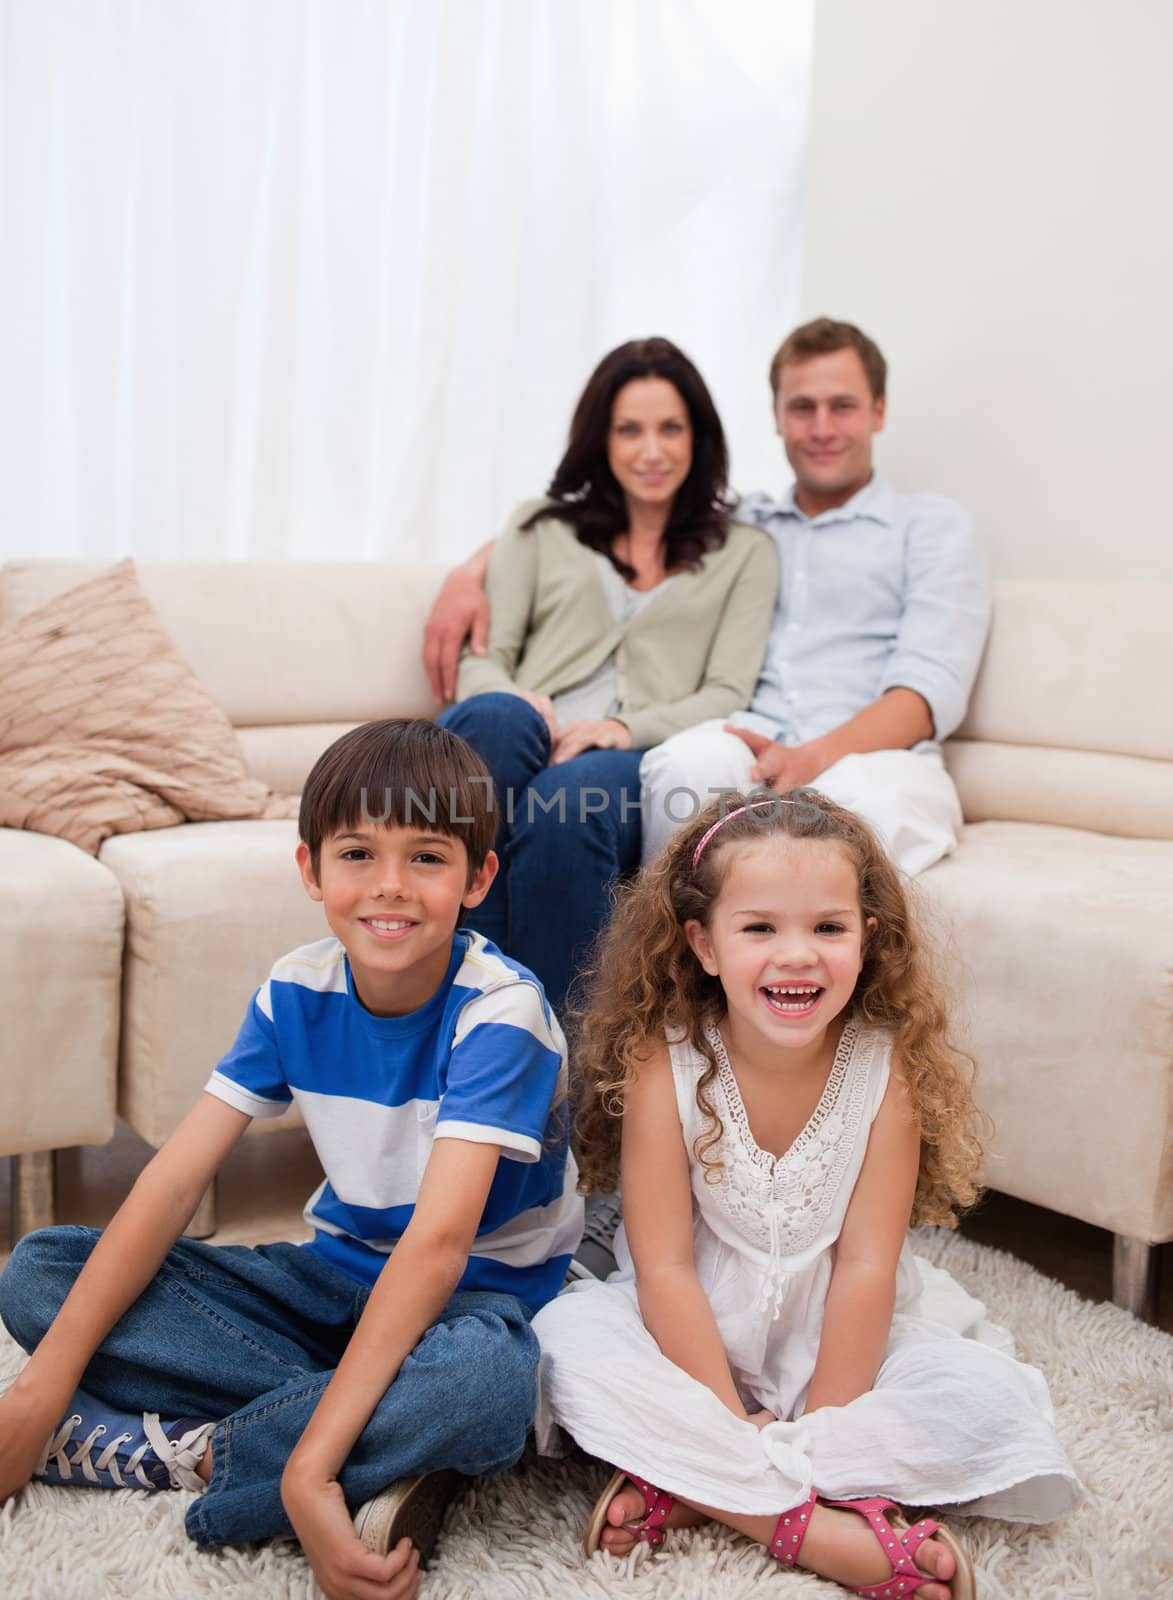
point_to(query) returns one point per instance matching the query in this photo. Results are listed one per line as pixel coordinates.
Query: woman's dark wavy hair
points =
(584, 489)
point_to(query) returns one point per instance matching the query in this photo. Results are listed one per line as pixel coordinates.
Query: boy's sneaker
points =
(413, 1507)
(595, 1256)
(115, 1450)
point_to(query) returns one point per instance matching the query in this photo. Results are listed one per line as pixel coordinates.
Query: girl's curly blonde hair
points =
(646, 982)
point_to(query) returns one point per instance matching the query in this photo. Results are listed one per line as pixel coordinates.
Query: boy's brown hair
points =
(401, 772)
(823, 337)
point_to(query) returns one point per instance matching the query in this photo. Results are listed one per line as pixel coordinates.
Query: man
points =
(882, 613)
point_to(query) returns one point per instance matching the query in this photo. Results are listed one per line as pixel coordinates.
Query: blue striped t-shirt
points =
(484, 1059)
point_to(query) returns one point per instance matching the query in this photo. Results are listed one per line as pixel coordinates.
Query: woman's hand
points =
(544, 706)
(588, 733)
(343, 1566)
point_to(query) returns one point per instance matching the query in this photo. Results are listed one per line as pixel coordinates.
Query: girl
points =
(765, 1061)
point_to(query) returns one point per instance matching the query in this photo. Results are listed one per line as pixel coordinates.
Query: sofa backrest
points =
(1071, 718)
(296, 652)
(1070, 721)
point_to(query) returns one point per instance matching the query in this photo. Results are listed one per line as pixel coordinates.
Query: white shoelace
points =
(179, 1456)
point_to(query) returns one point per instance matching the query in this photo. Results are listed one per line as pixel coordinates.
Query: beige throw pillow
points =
(104, 728)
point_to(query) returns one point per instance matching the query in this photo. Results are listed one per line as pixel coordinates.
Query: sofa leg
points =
(1134, 1276)
(204, 1222)
(32, 1192)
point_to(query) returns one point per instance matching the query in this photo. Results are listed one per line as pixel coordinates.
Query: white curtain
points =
(325, 278)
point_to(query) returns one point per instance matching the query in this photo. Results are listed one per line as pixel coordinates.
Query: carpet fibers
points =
(515, 1537)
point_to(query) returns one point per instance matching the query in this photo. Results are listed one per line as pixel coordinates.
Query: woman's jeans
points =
(250, 1338)
(566, 834)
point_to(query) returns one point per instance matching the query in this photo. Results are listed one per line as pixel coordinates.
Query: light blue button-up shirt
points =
(888, 591)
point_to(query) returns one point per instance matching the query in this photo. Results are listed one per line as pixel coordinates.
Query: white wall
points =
(987, 194)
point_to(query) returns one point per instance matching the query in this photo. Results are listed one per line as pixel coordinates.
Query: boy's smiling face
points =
(393, 897)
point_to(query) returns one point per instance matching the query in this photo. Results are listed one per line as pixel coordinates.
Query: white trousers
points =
(906, 795)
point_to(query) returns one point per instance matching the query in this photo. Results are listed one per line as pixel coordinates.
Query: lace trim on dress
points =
(779, 1204)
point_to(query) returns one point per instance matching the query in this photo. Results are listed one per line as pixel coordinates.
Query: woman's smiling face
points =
(649, 442)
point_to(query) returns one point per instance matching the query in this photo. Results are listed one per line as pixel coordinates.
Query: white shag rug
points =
(516, 1536)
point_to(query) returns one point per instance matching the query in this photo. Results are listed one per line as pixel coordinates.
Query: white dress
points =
(952, 1418)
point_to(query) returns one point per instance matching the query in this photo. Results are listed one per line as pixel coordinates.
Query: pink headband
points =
(773, 800)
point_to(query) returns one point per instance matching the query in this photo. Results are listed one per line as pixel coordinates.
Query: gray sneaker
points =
(595, 1256)
(411, 1507)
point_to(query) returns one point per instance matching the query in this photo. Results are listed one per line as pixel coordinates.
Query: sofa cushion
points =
(1124, 795)
(209, 908)
(105, 729)
(61, 955)
(1060, 948)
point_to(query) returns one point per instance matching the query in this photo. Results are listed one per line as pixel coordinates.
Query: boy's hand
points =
(344, 1567)
(26, 1425)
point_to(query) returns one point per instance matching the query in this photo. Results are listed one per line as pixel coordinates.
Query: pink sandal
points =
(898, 1541)
(648, 1530)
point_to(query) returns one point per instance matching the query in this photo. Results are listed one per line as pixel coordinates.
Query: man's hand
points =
(461, 611)
(588, 733)
(26, 1426)
(781, 767)
(343, 1566)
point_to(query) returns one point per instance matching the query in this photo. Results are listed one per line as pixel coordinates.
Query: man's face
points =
(826, 416)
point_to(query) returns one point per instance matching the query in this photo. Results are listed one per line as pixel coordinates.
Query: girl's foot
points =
(841, 1545)
(629, 1505)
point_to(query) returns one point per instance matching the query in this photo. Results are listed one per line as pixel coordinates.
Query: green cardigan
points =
(692, 653)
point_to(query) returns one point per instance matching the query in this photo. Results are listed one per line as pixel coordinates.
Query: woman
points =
(624, 607)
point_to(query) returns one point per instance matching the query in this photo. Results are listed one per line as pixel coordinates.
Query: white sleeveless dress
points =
(952, 1418)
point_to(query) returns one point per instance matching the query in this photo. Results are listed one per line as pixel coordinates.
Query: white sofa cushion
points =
(61, 922)
(1127, 796)
(1061, 953)
(209, 907)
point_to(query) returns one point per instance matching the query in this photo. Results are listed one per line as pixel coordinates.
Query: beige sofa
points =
(1058, 905)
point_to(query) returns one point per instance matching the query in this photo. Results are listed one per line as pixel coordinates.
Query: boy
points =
(293, 1381)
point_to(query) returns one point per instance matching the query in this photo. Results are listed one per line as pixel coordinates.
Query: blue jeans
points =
(251, 1337)
(566, 834)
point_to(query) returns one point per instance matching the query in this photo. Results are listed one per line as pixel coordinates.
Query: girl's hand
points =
(589, 733)
(544, 707)
(344, 1567)
(761, 1419)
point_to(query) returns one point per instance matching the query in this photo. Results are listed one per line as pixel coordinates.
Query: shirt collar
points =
(875, 502)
